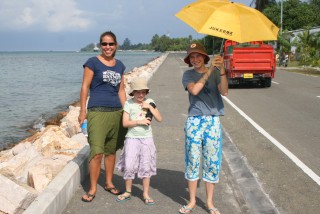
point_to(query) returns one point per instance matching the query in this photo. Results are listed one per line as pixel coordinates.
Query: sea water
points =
(34, 86)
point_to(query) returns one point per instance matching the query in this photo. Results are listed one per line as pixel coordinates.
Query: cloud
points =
(49, 15)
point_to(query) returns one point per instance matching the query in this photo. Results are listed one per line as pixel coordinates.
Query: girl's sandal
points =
(149, 201)
(214, 210)
(124, 197)
(185, 209)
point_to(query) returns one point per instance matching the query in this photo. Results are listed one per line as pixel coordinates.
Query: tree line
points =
(296, 15)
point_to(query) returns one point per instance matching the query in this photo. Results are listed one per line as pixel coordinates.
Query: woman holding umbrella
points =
(203, 132)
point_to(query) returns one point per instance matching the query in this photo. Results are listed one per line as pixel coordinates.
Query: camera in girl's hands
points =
(149, 114)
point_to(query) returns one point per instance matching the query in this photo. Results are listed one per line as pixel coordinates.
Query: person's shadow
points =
(168, 182)
(174, 185)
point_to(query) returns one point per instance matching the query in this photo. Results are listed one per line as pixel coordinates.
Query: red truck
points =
(249, 62)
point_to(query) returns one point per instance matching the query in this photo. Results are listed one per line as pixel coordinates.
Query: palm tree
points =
(284, 41)
(308, 46)
(315, 42)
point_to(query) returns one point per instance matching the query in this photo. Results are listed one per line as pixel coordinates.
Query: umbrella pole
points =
(212, 45)
(220, 52)
(221, 48)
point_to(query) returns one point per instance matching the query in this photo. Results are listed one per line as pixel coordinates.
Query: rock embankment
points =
(28, 168)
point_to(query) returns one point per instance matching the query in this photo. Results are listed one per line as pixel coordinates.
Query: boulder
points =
(69, 124)
(17, 167)
(14, 198)
(5, 155)
(54, 141)
(42, 173)
(80, 138)
(20, 148)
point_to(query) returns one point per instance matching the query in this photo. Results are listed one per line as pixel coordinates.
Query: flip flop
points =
(122, 198)
(112, 190)
(215, 210)
(186, 209)
(90, 196)
(149, 201)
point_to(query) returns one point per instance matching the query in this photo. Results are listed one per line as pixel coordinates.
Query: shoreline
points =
(55, 117)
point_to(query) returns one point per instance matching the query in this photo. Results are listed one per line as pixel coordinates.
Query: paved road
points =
(240, 194)
(290, 112)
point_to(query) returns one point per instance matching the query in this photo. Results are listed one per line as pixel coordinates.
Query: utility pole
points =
(281, 12)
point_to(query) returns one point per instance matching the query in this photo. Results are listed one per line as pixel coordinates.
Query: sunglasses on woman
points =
(107, 43)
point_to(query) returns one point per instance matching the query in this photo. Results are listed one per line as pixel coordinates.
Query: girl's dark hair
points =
(111, 34)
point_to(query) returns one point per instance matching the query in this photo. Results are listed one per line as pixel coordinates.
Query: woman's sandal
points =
(185, 209)
(89, 196)
(112, 190)
(148, 201)
(214, 210)
(123, 198)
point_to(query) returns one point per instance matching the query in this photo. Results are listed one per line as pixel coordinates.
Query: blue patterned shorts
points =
(203, 136)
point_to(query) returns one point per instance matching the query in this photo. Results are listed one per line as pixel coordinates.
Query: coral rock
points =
(14, 198)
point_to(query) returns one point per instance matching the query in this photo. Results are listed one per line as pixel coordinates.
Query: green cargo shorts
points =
(105, 132)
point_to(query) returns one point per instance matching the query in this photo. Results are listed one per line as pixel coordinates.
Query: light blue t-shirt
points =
(209, 100)
(136, 113)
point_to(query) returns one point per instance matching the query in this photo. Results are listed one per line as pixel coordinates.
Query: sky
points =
(69, 25)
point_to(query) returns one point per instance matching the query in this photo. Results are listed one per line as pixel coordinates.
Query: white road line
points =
(318, 96)
(275, 82)
(294, 158)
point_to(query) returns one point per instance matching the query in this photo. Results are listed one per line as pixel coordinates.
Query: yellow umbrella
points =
(228, 20)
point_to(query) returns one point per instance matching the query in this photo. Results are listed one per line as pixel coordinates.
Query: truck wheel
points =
(267, 82)
(230, 84)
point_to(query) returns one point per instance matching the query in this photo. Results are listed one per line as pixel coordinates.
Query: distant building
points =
(294, 33)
